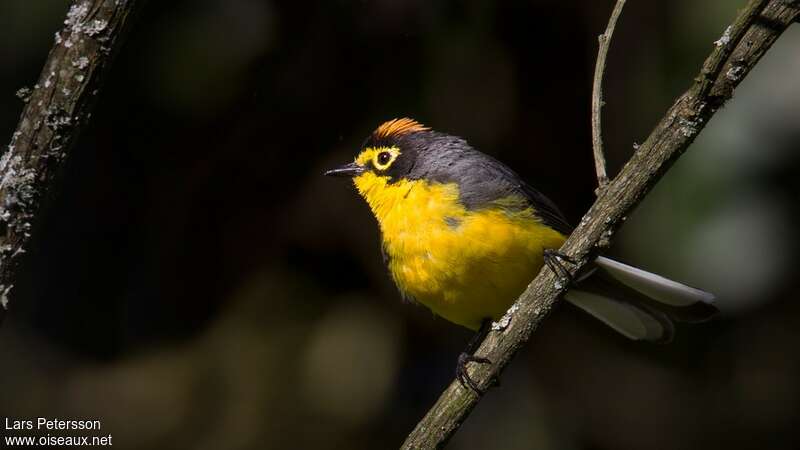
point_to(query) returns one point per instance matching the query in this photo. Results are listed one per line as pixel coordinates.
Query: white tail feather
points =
(626, 318)
(654, 286)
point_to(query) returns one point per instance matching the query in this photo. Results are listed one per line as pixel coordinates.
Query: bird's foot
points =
(462, 375)
(555, 261)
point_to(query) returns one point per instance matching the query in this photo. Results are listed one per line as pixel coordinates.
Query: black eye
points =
(383, 158)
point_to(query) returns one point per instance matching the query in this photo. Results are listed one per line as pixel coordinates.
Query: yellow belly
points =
(466, 266)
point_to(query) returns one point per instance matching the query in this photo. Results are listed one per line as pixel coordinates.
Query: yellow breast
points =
(464, 265)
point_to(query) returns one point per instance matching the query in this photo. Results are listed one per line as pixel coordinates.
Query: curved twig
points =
(604, 41)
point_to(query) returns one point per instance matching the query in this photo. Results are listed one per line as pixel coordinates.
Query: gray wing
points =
(547, 210)
(482, 179)
(494, 181)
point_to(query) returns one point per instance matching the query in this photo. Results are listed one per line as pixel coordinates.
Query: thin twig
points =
(604, 41)
(670, 138)
(56, 110)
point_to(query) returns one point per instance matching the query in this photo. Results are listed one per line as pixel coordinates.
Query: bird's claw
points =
(555, 261)
(462, 375)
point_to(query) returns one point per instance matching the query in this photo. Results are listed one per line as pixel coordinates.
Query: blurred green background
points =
(197, 283)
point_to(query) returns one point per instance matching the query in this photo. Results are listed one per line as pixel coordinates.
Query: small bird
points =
(463, 235)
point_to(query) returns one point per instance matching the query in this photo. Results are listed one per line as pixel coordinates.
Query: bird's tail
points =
(639, 304)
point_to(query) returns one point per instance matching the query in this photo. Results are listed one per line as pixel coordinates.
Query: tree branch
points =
(604, 41)
(670, 138)
(56, 110)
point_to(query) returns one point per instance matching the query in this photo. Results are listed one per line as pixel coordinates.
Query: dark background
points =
(196, 282)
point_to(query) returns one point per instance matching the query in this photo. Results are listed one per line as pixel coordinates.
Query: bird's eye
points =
(383, 160)
(384, 157)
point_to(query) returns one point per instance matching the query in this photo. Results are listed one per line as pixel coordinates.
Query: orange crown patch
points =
(397, 127)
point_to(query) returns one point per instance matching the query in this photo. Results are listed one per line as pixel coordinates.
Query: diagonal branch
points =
(758, 25)
(56, 110)
(725, 45)
(604, 41)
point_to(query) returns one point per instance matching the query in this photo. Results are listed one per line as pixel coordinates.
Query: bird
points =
(463, 234)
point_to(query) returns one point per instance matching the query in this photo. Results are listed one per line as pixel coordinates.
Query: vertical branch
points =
(56, 110)
(604, 41)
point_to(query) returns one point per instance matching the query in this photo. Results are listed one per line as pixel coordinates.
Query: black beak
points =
(347, 170)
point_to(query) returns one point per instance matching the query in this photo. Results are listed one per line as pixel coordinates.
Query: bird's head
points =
(391, 160)
(401, 154)
(443, 171)
(389, 153)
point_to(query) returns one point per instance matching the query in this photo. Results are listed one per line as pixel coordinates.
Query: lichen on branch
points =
(56, 109)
